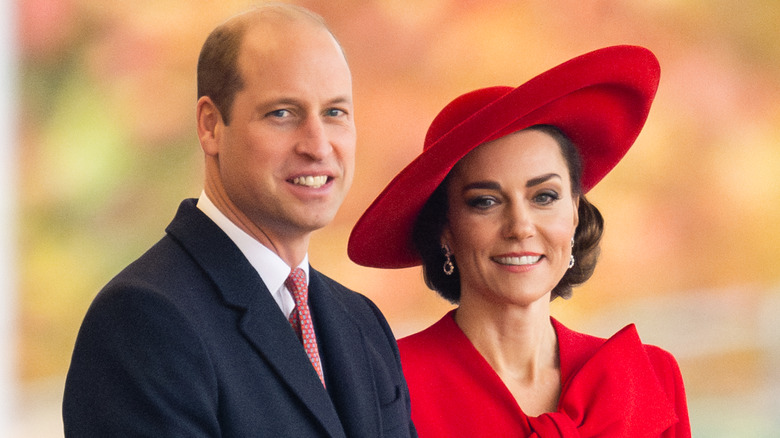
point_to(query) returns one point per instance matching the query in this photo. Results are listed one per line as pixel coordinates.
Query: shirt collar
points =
(271, 268)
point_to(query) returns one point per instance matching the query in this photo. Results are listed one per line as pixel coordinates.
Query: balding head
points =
(219, 75)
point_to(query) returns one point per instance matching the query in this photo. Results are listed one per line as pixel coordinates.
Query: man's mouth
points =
(314, 182)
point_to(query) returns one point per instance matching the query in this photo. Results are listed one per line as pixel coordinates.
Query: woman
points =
(495, 210)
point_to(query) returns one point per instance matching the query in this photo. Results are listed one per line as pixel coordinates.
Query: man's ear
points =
(210, 125)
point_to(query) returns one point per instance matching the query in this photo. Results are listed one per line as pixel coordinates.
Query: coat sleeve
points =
(138, 369)
(668, 372)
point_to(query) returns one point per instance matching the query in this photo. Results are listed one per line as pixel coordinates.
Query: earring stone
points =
(448, 267)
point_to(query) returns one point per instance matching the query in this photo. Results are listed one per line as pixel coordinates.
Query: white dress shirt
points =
(271, 268)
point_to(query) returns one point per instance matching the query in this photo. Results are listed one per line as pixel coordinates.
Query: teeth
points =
(311, 181)
(518, 261)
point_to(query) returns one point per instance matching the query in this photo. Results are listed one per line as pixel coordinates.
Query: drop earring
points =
(571, 257)
(449, 267)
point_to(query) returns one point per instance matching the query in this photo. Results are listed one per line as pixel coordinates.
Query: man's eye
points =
(281, 113)
(334, 112)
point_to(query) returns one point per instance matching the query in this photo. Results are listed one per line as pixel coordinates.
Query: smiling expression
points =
(286, 158)
(511, 219)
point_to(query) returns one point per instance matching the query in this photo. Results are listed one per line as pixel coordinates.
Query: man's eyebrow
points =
(291, 101)
(340, 100)
(280, 101)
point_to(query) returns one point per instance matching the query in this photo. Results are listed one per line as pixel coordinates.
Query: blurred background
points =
(104, 148)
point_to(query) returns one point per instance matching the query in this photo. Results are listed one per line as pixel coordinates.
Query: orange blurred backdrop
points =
(108, 149)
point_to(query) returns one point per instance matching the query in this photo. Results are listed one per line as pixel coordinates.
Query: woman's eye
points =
(546, 198)
(482, 202)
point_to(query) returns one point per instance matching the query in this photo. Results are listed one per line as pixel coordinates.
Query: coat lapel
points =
(268, 330)
(347, 365)
(262, 322)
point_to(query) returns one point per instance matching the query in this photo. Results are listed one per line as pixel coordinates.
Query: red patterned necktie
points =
(300, 318)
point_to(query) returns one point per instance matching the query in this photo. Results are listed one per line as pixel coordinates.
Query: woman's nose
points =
(518, 223)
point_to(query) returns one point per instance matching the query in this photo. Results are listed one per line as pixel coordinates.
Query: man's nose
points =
(314, 141)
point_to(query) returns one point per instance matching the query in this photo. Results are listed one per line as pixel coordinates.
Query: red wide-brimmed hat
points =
(600, 100)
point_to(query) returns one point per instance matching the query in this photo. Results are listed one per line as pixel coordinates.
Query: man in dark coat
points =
(193, 338)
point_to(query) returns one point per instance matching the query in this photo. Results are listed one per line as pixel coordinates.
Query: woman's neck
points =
(521, 345)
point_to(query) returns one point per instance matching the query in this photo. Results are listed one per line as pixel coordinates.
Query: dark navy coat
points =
(188, 342)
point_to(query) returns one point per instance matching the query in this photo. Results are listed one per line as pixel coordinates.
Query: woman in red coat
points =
(494, 208)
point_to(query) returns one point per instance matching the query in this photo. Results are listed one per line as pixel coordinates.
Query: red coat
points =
(610, 388)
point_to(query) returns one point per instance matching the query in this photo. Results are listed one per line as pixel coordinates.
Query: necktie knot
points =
(296, 283)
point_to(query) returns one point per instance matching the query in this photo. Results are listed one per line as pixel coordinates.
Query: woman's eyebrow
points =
(492, 185)
(540, 179)
(487, 185)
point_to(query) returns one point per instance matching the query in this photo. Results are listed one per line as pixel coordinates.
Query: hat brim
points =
(600, 100)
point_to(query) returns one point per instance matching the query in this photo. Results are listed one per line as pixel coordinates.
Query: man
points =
(193, 338)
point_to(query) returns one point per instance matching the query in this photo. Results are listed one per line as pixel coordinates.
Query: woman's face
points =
(511, 219)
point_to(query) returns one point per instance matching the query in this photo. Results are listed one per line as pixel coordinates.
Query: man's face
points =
(287, 159)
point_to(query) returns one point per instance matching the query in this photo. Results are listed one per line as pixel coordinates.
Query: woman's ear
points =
(210, 125)
(446, 238)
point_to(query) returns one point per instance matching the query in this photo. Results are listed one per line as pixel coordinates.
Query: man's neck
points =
(291, 250)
